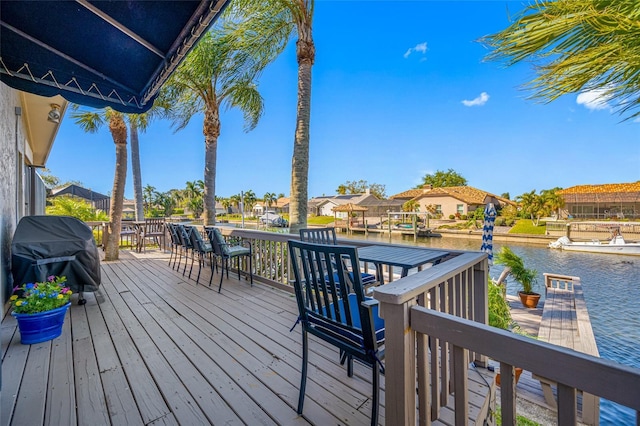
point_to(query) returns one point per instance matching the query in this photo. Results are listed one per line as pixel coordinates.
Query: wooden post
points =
(400, 364)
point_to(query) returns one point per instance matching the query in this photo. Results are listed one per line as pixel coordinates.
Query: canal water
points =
(611, 285)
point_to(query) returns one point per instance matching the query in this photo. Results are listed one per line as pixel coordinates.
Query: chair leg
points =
(200, 263)
(224, 262)
(303, 377)
(251, 270)
(375, 399)
(193, 254)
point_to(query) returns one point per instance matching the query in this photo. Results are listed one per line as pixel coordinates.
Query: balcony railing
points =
(418, 329)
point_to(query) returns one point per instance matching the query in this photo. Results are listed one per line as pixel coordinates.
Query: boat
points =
(617, 245)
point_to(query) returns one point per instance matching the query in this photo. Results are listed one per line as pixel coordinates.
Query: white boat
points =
(617, 245)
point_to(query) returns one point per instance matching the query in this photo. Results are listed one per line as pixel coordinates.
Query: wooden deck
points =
(151, 347)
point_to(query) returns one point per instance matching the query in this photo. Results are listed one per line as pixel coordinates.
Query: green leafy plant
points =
(527, 277)
(38, 297)
(499, 310)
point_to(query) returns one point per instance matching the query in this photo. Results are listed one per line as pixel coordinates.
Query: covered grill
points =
(55, 245)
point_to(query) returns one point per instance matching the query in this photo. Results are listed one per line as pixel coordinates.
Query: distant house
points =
(97, 200)
(323, 206)
(451, 200)
(612, 200)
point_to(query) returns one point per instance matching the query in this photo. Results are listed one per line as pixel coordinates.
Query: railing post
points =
(400, 364)
(480, 302)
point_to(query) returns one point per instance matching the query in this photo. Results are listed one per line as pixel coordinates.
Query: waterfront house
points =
(451, 200)
(606, 201)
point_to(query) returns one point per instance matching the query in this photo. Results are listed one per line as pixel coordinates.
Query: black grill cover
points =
(55, 245)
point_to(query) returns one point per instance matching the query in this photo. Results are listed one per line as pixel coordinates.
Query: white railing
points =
(454, 339)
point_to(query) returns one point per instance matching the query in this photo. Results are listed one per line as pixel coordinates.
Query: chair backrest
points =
(318, 235)
(218, 243)
(196, 240)
(185, 235)
(322, 293)
(173, 233)
(153, 225)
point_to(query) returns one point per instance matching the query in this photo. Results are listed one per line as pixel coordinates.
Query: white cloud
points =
(419, 48)
(479, 101)
(594, 100)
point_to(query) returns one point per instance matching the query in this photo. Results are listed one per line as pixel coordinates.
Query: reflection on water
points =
(610, 283)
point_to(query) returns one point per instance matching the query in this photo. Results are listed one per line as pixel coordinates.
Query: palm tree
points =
(250, 200)
(269, 199)
(270, 25)
(141, 122)
(90, 122)
(236, 200)
(576, 46)
(218, 72)
(149, 195)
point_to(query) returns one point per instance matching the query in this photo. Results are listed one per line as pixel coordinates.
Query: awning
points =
(99, 53)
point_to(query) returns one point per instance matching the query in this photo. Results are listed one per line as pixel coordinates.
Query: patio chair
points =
(203, 249)
(328, 236)
(225, 251)
(327, 310)
(185, 239)
(176, 244)
(153, 229)
(128, 233)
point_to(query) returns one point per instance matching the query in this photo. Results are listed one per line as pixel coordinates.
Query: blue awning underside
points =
(99, 53)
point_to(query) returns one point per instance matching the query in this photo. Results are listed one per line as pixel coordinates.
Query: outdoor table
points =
(404, 257)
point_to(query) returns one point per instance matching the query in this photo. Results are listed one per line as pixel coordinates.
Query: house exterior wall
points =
(11, 134)
(449, 205)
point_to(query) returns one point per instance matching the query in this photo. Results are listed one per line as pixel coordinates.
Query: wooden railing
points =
(411, 323)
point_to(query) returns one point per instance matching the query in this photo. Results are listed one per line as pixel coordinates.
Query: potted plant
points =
(527, 277)
(40, 309)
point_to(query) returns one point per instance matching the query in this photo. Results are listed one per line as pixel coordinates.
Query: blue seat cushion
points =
(343, 332)
(366, 278)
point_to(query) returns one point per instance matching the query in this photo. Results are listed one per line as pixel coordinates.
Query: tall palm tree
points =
(140, 122)
(576, 46)
(270, 25)
(91, 122)
(269, 199)
(250, 200)
(219, 72)
(148, 195)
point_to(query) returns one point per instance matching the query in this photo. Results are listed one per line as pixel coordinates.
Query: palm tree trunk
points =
(211, 132)
(118, 130)
(135, 169)
(300, 161)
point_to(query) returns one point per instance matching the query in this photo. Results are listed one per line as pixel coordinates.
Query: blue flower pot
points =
(42, 326)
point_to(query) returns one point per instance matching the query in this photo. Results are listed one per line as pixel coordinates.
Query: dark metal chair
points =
(328, 236)
(328, 310)
(185, 239)
(176, 244)
(203, 249)
(229, 250)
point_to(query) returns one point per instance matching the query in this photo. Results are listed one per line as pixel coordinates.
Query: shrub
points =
(452, 216)
(178, 211)
(500, 221)
(463, 217)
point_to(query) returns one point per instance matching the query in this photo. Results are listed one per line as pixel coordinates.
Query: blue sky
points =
(400, 90)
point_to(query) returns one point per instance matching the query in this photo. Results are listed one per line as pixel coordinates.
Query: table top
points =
(405, 257)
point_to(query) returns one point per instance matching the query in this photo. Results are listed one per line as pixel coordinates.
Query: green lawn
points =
(525, 226)
(320, 220)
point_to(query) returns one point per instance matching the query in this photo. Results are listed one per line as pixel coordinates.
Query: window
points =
(460, 208)
(439, 208)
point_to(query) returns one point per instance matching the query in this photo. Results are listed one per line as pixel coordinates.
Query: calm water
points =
(610, 284)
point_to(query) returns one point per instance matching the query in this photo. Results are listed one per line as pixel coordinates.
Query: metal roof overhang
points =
(99, 53)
